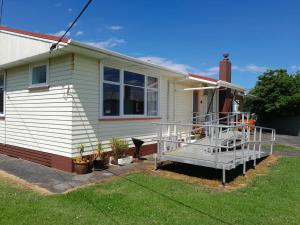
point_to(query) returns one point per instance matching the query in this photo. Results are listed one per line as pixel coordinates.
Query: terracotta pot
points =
(81, 168)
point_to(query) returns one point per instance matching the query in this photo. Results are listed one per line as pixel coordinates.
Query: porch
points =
(220, 141)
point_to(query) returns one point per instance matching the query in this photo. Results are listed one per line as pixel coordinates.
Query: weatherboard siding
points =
(88, 130)
(42, 119)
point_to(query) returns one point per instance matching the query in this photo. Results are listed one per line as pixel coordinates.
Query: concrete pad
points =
(57, 181)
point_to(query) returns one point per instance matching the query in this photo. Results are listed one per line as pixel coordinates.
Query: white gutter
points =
(222, 83)
(202, 80)
(201, 88)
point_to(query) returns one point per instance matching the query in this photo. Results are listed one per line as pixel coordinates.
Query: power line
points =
(1, 11)
(70, 27)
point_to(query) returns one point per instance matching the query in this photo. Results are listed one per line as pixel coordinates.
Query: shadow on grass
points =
(206, 172)
(213, 217)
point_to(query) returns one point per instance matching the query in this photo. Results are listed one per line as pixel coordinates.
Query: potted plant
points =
(81, 164)
(99, 160)
(119, 148)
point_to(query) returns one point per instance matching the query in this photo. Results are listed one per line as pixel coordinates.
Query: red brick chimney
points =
(225, 96)
(225, 68)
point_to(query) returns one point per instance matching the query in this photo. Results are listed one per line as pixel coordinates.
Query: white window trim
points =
(4, 93)
(122, 115)
(31, 66)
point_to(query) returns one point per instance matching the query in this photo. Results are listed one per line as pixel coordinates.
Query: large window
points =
(129, 94)
(1, 94)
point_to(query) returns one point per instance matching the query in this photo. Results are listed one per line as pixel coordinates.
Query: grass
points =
(283, 148)
(144, 199)
(286, 148)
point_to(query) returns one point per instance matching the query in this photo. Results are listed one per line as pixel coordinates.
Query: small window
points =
(39, 75)
(152, 96)
(111, 74)
(152, 82)
(2, 94)
(134, 79)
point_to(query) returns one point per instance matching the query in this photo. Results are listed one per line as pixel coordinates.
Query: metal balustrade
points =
(221, 143)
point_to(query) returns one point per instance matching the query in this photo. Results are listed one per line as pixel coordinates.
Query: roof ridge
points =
(34, 34)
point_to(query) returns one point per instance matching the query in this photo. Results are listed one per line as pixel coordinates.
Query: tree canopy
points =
(278, 94)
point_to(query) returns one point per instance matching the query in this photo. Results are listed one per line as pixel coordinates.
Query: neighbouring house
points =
(50, 102)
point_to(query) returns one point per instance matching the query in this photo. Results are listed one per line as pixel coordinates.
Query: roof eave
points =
(126, 58)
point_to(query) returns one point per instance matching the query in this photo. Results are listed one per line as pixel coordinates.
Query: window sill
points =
(37, 88)
(129, 118)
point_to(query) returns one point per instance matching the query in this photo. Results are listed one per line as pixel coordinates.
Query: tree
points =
(278, 95)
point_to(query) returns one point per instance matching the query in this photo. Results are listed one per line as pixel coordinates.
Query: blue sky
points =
(182, 34)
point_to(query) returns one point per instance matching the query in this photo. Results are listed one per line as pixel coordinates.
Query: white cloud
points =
(185, 68)
(213, 69)
(61, 33)
(70, 23)
(250, 68)
(114, 28)
(79, 33)
(109, 43)
(70, 10)
(295, 67)
(167, 63)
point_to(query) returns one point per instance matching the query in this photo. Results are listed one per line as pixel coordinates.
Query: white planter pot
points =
(125, 161)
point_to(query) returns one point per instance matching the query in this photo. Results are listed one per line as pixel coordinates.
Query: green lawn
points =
(286, 148)
(282, 148)
(145, 199)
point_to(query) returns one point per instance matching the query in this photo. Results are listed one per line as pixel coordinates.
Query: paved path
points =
(287, 153)
(288, 140)
(57, 181)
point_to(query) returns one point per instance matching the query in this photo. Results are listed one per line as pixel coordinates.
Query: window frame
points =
(3, 73)
(152, 89)
(31, 66)
(122, 94)
(112, 83)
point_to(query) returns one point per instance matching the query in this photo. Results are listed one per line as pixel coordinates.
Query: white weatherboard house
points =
(50, 102)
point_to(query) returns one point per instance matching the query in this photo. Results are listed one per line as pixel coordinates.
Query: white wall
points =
(14, 47)
(86, 128)
(183, 103)
(39, 120)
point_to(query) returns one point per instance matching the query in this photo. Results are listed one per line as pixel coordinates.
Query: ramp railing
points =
(241, 142)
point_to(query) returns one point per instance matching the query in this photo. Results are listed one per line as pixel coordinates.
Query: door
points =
(203, 104)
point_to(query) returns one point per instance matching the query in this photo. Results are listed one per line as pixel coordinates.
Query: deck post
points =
(223, 176)
(260, 137)
(254, 148)
(234, 148)
(249, 141)
(155, 162)
(272, 142)
(244, 161)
